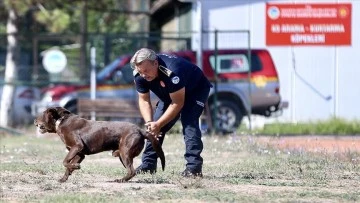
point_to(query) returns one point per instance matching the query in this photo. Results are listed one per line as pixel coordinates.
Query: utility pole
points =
(84, 71)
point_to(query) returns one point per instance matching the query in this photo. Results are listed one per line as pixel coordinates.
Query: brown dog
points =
(84, 137)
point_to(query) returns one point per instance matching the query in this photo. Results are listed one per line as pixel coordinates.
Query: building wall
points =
(138, 23)
(326, 81)
(168, 27)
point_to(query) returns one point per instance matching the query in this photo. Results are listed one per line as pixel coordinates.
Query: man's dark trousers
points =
(190, 114)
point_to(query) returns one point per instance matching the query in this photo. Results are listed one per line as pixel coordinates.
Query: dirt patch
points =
(339, 144)
(20, 185)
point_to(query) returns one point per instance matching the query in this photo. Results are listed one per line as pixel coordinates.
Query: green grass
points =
(236, 169)
(334, 126)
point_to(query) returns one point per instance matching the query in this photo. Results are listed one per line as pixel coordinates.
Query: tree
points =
(56, 16)
(12, 55)
(15, 9)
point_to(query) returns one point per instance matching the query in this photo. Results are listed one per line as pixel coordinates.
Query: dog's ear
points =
(50, 115)
(62, 111)
(53, 112)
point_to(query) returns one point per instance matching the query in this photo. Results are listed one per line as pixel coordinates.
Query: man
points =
(183, 91)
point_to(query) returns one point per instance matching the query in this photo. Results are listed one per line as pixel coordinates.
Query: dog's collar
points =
(58, 122)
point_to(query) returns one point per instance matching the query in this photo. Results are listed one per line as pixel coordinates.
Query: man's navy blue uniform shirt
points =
(174, 74)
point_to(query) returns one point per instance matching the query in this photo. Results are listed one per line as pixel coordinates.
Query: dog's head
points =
(46, 122)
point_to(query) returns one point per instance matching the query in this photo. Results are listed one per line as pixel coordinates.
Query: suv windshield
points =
(104, 74)
(116, 74)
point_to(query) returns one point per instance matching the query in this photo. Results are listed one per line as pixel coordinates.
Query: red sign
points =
(308, 24)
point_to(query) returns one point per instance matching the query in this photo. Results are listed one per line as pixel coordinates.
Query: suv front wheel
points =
(228, 116)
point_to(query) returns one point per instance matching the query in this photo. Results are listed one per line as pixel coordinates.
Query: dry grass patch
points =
(236, 169)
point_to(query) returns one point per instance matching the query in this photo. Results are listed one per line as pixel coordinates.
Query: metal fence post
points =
(93, 78)
(214, 111)
(249, 80)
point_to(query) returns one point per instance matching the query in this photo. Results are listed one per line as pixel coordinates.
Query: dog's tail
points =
(157, 147)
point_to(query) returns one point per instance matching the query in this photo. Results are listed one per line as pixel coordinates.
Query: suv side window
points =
(127, 74)
(235, 63)
(123, 76)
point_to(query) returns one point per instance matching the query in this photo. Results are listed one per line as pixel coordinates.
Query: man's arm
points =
(174, 108)
(145, 106)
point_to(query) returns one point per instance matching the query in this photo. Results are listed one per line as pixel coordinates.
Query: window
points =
(235, 63)
(127, 74)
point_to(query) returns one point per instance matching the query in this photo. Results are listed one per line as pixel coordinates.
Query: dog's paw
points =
(119, 181)
(63, 179)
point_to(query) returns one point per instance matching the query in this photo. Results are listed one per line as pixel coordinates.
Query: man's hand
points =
(153, 128)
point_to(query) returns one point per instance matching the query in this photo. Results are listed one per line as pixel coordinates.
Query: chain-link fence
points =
(224, 117)
(109, 47)
(25, 57)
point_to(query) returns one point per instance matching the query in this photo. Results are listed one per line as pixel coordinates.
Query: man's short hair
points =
(142, 55)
